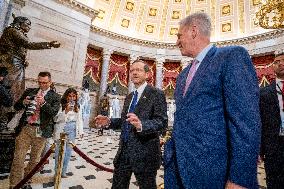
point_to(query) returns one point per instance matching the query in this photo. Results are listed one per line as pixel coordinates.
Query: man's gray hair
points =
(201, 20)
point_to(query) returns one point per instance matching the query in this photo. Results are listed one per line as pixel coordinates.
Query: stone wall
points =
(53, 21)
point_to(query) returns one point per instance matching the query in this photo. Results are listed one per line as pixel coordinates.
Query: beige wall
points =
(53, 21)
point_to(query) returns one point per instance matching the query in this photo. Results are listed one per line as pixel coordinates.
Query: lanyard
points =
(279, 91)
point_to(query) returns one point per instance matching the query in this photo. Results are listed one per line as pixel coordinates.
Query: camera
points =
(31, 107)
(32, 97)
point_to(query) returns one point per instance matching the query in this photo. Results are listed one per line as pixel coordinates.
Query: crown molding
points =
(239, 41)
(80, 7)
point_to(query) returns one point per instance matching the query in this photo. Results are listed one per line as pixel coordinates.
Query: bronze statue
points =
(13, 50)
(103, 109)
(104, 105)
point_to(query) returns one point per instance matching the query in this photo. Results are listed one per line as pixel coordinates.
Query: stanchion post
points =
(60, 157)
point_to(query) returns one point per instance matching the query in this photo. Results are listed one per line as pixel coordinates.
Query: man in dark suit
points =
(143, 116)
(216, 132)
(272, 118)
(35, 126)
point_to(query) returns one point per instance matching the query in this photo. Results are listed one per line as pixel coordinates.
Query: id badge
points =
(38, 132)
(281, 132)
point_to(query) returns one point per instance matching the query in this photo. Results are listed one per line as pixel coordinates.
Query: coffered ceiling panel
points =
(157, 20)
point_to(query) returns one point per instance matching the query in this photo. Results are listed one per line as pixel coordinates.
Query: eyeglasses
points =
(42, 82)
(137, 70)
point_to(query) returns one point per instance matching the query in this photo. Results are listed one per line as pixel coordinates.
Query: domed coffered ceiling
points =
(157, 20)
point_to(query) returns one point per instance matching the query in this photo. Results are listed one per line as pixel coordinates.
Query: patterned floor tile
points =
(82, 175)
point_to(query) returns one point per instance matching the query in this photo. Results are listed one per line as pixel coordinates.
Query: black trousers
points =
(123, 171)
(274, 174)
(274, 168)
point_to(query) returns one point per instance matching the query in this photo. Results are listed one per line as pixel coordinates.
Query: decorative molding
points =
(241, 16)
(80, 7)
(213, 17)
(164, 18)
(162, 45)
(252, 39)
(140, 15)
(114, 13)
(22, 3)
(188, 7)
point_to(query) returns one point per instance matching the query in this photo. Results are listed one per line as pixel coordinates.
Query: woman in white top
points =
(68, 120)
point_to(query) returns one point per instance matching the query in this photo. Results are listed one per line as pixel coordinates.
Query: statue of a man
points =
(13, 50)
(172, 109)
(103, 109)
(115, 107)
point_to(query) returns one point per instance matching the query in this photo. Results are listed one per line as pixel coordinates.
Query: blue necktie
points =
(126, 125)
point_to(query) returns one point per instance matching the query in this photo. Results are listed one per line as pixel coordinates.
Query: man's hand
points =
(231, 185)
(40, 100)
(134, 120)
(54, 44)
(27, 100)
(101, 121)
(260, 160)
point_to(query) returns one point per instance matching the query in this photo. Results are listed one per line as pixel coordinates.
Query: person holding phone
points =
(68, 120)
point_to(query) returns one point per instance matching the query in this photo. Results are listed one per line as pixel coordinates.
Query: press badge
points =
(38, 132)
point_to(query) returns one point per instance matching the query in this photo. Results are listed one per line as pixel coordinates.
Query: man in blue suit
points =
(216, 133)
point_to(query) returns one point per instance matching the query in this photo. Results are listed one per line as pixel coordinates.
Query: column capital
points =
(160, 61)
(107, 53)
(133, 57)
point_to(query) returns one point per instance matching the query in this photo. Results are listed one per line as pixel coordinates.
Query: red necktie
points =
(35, 117)
(282, 92)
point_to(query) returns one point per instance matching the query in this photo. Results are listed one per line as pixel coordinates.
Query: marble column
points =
(105, 68)
(159, 73)
(132, 58)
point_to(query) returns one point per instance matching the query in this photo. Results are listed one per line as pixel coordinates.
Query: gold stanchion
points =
(161, 186)
(58, 173)
(165, 139)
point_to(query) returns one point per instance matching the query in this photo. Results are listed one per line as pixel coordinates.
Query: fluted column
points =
(159, 73)
(132, 58)
(105, 68)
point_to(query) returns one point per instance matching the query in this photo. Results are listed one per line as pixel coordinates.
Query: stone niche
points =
(54, 21)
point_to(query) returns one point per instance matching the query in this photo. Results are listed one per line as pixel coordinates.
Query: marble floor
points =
(82, 175)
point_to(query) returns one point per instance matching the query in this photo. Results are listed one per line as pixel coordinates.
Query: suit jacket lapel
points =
(274, 99)
(127, 102)
(201, 69)
(183, 81)
(48, 95)
(142, 99)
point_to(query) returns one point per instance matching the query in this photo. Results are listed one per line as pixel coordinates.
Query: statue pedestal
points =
(7, 143)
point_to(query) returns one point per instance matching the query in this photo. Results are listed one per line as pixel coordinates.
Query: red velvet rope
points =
(85, 157)
(35, 169)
